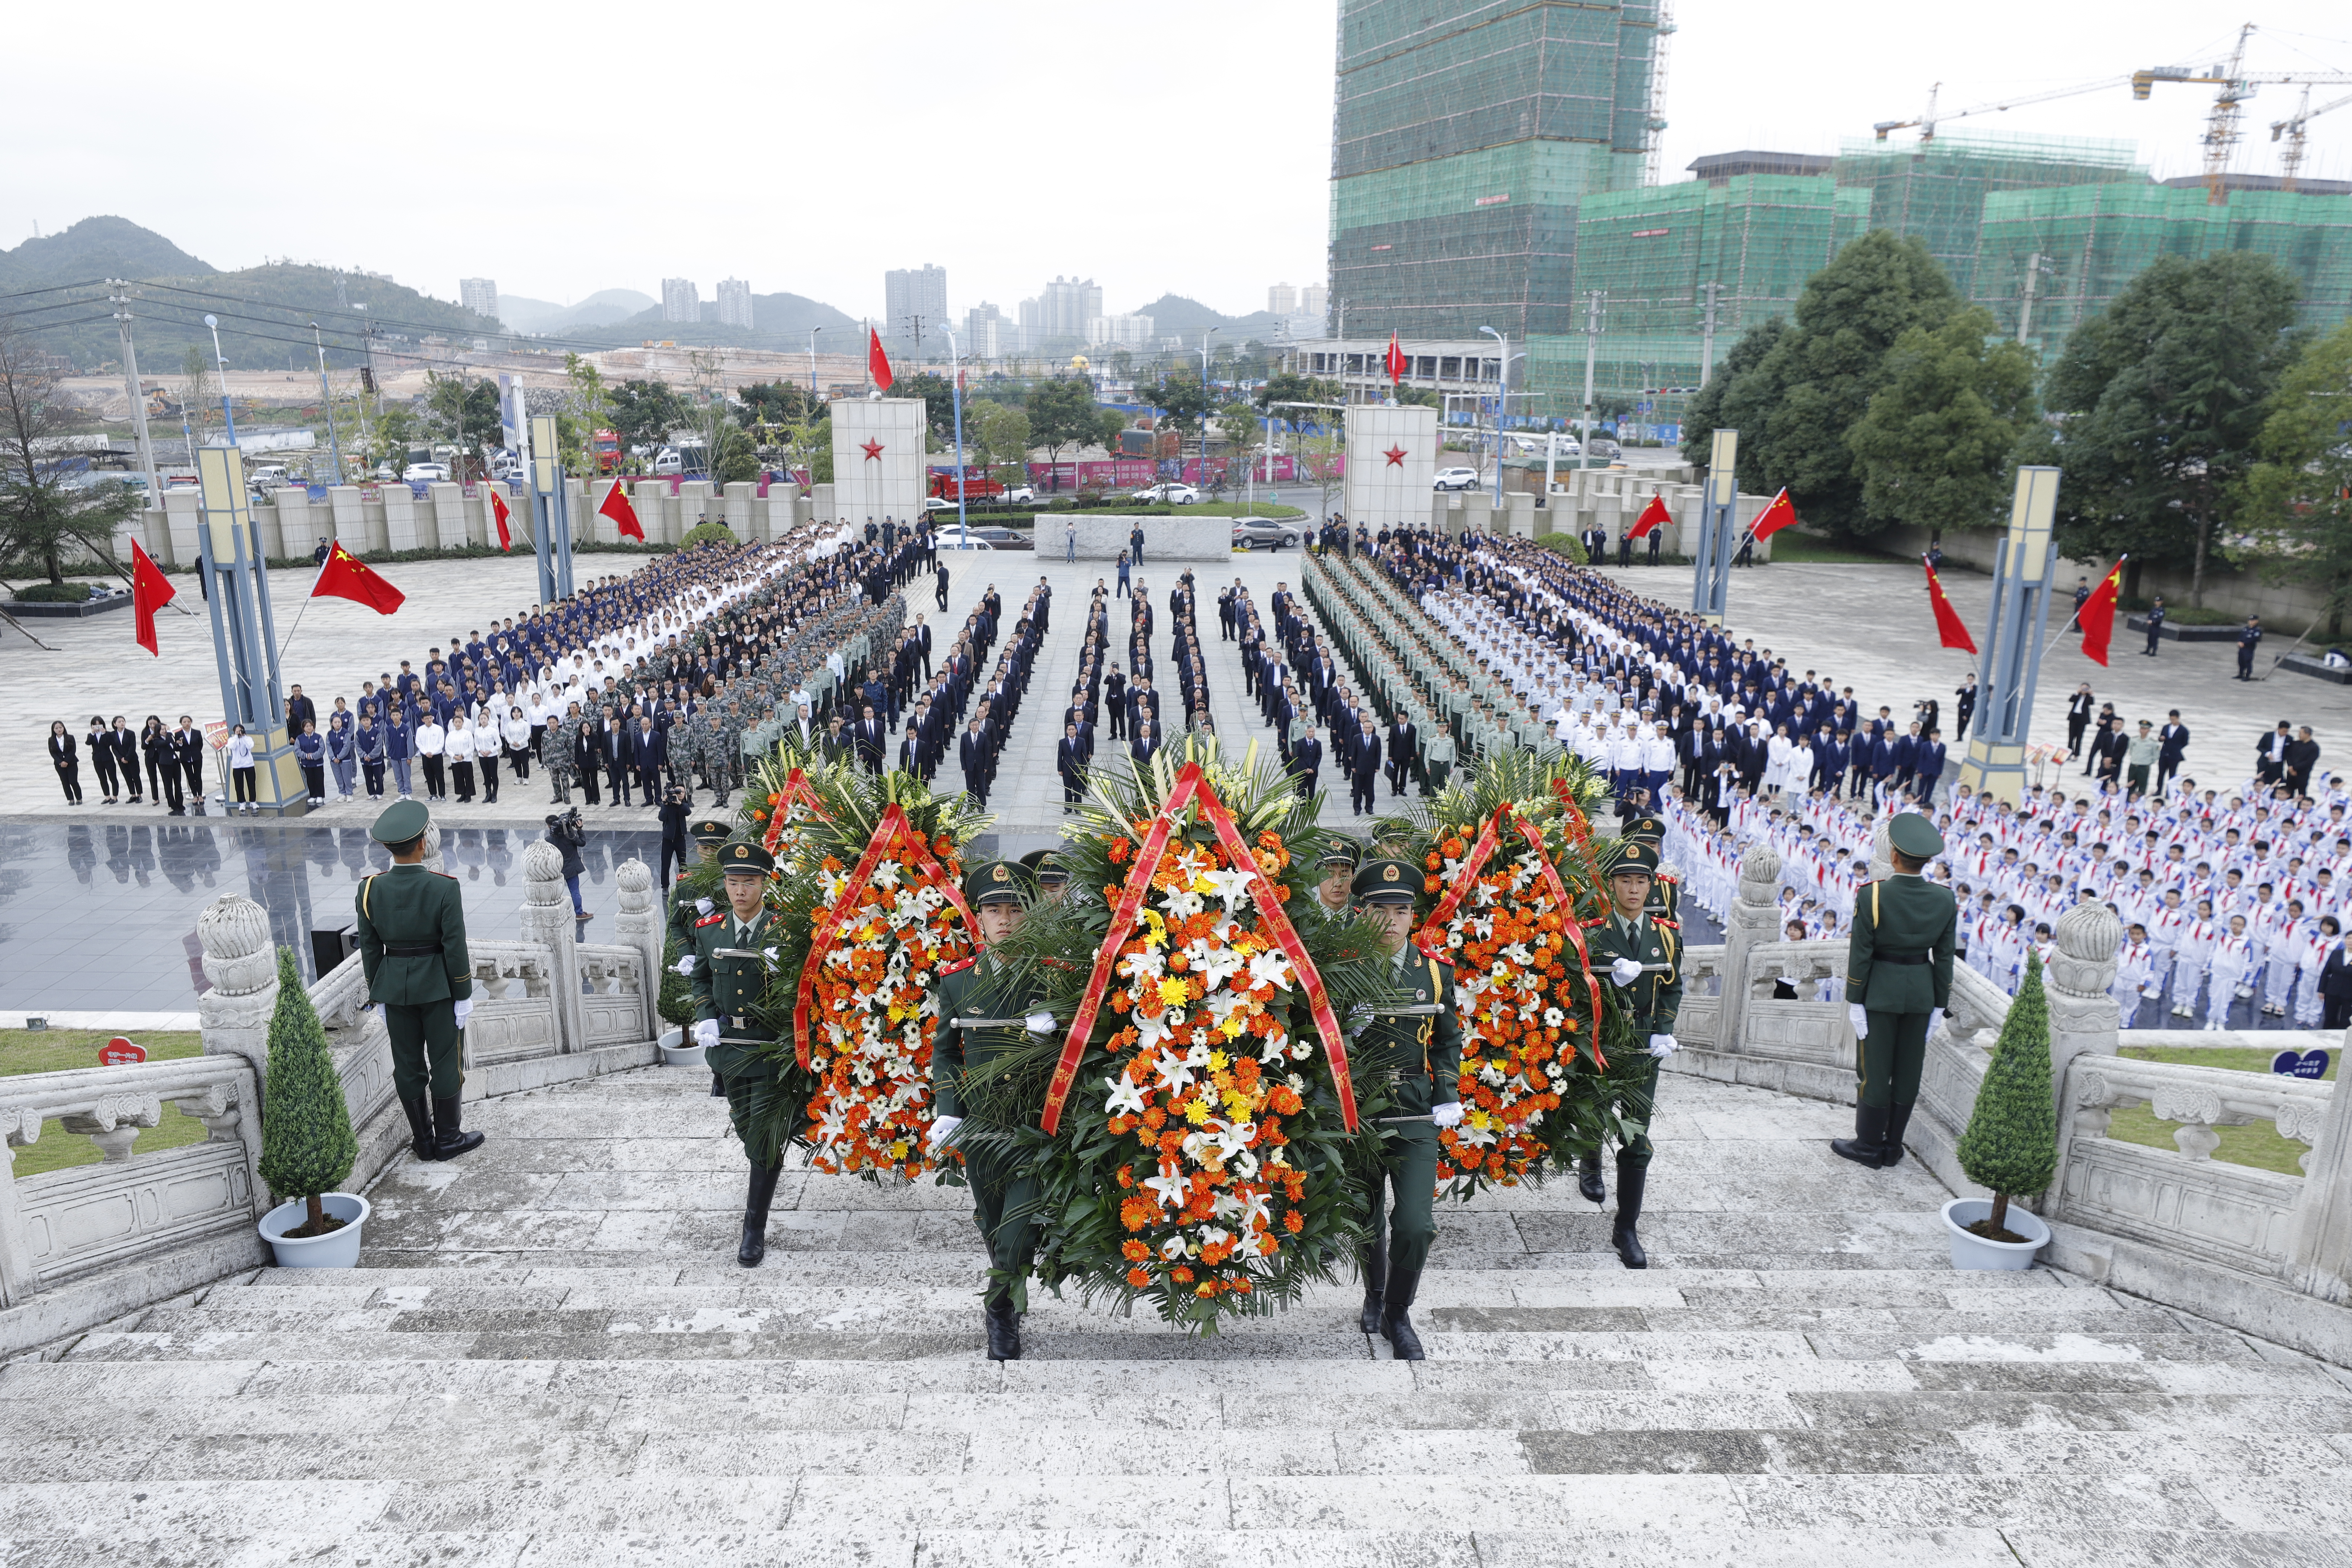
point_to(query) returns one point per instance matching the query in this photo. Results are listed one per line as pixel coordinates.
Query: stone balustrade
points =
(83, 1246)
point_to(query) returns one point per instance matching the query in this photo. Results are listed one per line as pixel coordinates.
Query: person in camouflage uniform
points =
(559, 753)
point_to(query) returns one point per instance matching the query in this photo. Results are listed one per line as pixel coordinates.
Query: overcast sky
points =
(807, 147)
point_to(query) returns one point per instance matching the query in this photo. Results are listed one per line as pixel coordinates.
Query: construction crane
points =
(1927, 121)
(2236, 84)
(2291, 155)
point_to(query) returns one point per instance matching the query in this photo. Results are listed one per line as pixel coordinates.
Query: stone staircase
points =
(549, 1356)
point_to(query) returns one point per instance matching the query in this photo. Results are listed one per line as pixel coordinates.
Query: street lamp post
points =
(1502, 404)
(955, 401)
(1204, 403)
(327, 396)
(813, 332)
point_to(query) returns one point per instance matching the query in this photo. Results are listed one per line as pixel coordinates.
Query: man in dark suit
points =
(1070, 762)
(2079, 708)
(1307, 761)
(300, 710)
(872, 733)
(2172, 741)
(615, 748)
(2335, 979)
(1404, 751)
(651, 751)
(971, 755)
(2302, 756)
(1363, 762)
(1114, 699)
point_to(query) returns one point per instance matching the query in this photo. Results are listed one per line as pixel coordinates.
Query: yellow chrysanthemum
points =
(1197, 1112)
(1172, 992)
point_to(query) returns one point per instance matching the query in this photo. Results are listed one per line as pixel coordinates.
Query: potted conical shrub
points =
(2012, 1143)
(307, 1144)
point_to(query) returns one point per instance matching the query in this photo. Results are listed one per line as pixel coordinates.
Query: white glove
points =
(1039, 1023)
(702, 906)
(770, 953)
(1664, 1046)
(684, 965)
(1447, 1115)
(705, 1032)
(1625, 971)
(1860, 1017)
(942, 1129)
(464, 1006)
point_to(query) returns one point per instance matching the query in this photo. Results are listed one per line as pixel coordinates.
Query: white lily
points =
(1170, 1190)
(1182, 904)
(1232, 889)
(1269, 968)
(1125, 1097)
(1175, 1073)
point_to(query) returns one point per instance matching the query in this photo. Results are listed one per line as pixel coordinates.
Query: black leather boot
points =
(1868, 1144)
(450, 1138)
(420, 1127)
(1890, 1148)
(1372, 1260)
(762, 1192)
(1587, 1179)
(1003, 1332)
(1395, 1326)
(718, 1087)
(1631, 1180)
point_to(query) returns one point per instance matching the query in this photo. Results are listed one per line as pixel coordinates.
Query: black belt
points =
(1899, 958)
(411, 949)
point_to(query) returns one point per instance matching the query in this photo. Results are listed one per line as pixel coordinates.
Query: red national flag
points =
(1775, 516)
(345, 577)
(499, 514)
(1949, 629)
(624, 516)
(878, 363)
(2097, 616)
(149, 592)
(1652, 515)
(1397, 363)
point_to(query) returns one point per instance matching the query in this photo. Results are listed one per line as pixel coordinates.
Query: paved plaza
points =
(550, 1357)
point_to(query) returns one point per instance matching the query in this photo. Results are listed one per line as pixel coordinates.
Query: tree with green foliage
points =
(1108, 423)
(1795, 408)
(1419, 397)
(1237, 422)
(2161, 399)
(2296, 501)
(996, 434)
(46, 513)
(772, 403)
(466, 412)
(1291, 386)
(307, 1144)
(939, 400)
(1936, 443)
(2012, 1143)
(814, 443)
(388, 436)
(644, 413)
(1061, 413)
(1704, 415)
(588, 407)
(1181, 399)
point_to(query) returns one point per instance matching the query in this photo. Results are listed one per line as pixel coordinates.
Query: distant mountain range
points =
(600, 309)
(1176, 316)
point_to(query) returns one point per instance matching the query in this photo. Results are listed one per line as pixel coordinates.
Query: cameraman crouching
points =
(566, 834)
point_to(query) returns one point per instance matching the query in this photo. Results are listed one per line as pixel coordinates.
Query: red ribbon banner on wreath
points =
(892, 831)
(796, 789)
(1432, 941)
(1191, 785)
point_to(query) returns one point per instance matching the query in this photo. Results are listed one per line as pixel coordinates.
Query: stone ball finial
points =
(636, 884)
(2091, 932)
(234, 932)
(1761, 863)
(543, 873)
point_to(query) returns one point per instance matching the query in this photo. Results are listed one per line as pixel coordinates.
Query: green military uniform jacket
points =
(1656, 996)
(412, 932)
(1899, 958)
(975, 988)
(1419, 1055)
(731, 977)
(686, 908)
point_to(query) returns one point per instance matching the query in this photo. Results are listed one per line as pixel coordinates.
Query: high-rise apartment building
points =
(983, 331)
(1314, 299)
(1069, 304)
(1123, 332)
(915, 300)
(681, 300)
(734, 303)
(1282, 299)
(479, 295)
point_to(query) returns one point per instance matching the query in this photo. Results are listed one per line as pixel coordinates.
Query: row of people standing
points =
(173, 759)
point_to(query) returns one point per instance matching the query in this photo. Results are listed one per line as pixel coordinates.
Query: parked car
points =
(270, 475)
(1455, 479)
(1002, 537)
(1173, 494)
(1249, 532)
(955, 538)
(425, 473)
(1606, 450)
(1026, 493)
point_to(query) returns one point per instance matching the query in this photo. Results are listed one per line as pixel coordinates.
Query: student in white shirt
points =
(2232, 966)
(459, 749)
(432, 743)
(486, 752)
(2135, 965)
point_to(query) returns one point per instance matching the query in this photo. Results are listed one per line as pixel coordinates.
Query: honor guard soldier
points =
(1898, 972)
(1334, 891)
(982, 1018)
(1642, 957)
(707, 833)
(412, 935)
(1416, 1046)
(733, 957)
(1045, 870)
(1645, 827)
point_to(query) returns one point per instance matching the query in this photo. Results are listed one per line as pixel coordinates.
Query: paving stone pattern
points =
(549, 1356)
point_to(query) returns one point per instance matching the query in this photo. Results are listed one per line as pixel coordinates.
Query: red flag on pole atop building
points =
(345, 577)
(1780, 514)
(2097, 616)
(498, 514)
(1652, 515)
(1397, 363)
(1952, 631)
(624, 516)
(878, 363)
(149, 592)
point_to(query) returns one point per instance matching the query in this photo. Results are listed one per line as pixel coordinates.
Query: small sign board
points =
(120, 1052)
(2300, 1064)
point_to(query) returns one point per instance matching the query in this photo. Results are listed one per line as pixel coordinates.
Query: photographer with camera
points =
(568, 835)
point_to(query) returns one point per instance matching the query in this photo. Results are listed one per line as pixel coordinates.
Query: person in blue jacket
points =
(399, 745)
(342, 755)
(310, 753)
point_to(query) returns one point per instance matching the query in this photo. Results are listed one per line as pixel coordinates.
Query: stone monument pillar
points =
(547, 920)
(877, 459)
(2083, 1016)
(639, 925)
(1391, 463)
(1754, 917)
(242, 965)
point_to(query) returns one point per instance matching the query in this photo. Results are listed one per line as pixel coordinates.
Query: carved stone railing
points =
(83, 1246)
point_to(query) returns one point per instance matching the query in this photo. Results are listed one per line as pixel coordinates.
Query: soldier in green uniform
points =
(1046, 870)
(1417, 1046)
(1645, 826)
(982, 1018)
(1642, 957)
(708, 834)
(1898, 972)
(1335, 891)
(412, 933)
(733, 956)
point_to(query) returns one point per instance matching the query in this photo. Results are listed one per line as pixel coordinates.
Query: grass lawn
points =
(2257, 1144)
(54, 1050)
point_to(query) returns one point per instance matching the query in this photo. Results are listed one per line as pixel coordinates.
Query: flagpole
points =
(305, 610)
(2073, 622)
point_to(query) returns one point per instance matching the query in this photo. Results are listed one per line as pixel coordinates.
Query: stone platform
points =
(549, 1356)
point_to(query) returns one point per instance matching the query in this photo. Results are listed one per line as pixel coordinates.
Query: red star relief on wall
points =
(873, 449)
(1395, 455)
